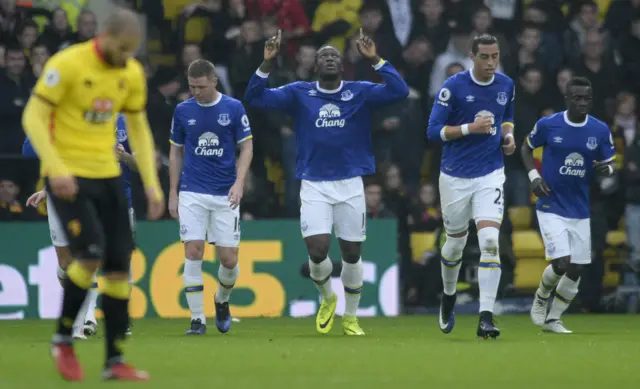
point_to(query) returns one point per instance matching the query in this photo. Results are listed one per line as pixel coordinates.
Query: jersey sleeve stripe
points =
(131, 111)
(379, 64)
(608, 160)
(529, 144)
(508, 124)
(245, 138)
(443, 134)
(175, 144)
(51, 103)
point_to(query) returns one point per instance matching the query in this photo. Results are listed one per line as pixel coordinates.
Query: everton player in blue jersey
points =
(576, 146)
(473, 116)
(206, 187)
(332, 122)
(86, 323)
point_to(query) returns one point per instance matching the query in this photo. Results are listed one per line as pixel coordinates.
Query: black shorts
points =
(96, 222)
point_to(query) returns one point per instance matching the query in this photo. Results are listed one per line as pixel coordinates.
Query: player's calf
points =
(550, 278)
(194, 285)
(566, 290)
(489, 268)
(352, 277)
(227, 276)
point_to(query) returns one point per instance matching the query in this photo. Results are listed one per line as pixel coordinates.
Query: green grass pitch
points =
(397, 353)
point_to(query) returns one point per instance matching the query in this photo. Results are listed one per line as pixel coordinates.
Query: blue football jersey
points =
(28, 150)
(123, 139)
(570, 150)
(332, 127)
(209, 134)
(461, 100)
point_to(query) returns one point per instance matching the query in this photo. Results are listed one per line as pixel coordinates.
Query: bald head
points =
(122, 22)
(121, 37)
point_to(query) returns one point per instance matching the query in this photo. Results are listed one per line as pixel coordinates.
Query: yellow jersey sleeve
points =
(56, 79)
(137, 99)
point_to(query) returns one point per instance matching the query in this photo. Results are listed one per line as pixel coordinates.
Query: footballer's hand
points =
(35, 199)
(64, 187)
(366, 46)
(481, 126)
(272, 46)
(540, 188)
(155, 203)
(235, 195)
(509, 146)
(120, 153)
(173, 205)
(604, 169)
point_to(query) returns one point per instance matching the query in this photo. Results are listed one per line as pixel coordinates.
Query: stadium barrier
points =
(270, 284)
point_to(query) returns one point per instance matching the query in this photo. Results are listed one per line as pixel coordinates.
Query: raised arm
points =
(439, 131)
(257, 94)
(394, 87)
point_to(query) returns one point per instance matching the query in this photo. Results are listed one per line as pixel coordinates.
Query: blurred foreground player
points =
(332, 122)
(81, 90)
(86, 323)
(473, 117)
(207, 187)
(576, 146)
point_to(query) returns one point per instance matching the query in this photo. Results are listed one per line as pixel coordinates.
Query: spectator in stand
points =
(482, 23)
(58, 35)
(39, 56)
(601, 71)
(163, 90)
(430, 23)
(416, 65)
(398, 18)
(290, 18)
(27, 34)
(620, 15)
(632, 211)
(531, 96)
(425, 213)
(335, 21)
(247, 56)
(10, 205)
(584, 20)
(15, 89)
(529, 50)
(629, 50)
(376, 208)
(557, 92)
(87, 27)
(372, 23)
(457, 51)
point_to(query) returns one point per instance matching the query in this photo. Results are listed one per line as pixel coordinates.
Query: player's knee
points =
(228, 256)
(194, 250)
(350, 251)
(574, 271)
(488, 239)
(560, 265)
(454, 246)
(318, 247)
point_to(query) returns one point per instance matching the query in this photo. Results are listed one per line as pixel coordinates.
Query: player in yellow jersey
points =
(70, 120)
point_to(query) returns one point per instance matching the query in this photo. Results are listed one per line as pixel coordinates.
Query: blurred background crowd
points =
(543, 44)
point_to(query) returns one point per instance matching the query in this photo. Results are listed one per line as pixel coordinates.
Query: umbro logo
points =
(313, 92)
(557, 139)
(192, 122)
(470, 99)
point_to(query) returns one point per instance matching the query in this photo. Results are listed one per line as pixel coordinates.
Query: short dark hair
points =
(578, 81)
(201, 68)
(484, 39)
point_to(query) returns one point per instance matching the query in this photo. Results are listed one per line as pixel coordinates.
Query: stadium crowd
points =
(543, 43)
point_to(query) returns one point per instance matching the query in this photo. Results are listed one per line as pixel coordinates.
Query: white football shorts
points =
(56, 230)
(339, 204)
(209, 218)
(564, 237)
(463, 199)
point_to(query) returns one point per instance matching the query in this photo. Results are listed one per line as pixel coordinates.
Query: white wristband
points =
(465, 129)
(610, 169)
(533, 175)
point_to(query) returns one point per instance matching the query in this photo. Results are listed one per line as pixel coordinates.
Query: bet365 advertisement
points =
(270, 283)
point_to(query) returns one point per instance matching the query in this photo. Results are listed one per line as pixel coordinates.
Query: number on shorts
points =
(498, 199)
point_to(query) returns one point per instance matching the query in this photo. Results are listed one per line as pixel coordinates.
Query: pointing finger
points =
(361, 33)
(279, 36)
